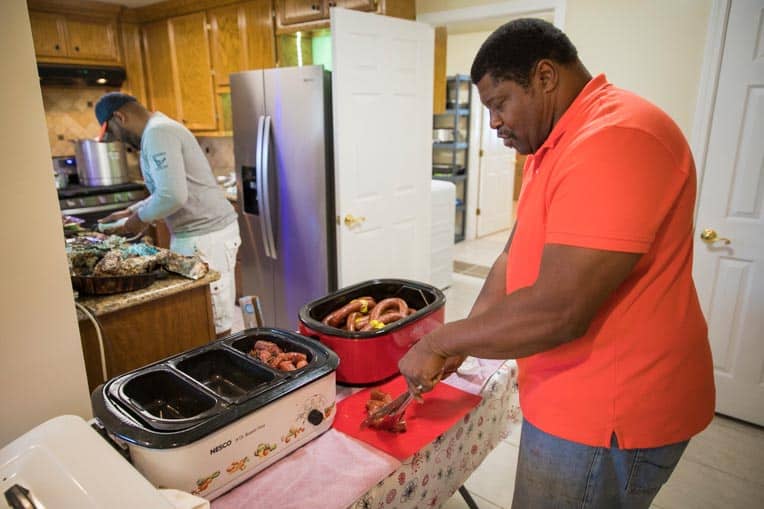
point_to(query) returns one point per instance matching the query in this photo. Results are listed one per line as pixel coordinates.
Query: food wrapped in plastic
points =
(98, 255)
(82, 261)
(117, 263)
(189, 266)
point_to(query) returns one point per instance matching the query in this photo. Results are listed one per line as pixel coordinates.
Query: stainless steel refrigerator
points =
(282, 130)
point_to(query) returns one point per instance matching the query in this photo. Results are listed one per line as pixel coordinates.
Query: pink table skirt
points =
(335, 471)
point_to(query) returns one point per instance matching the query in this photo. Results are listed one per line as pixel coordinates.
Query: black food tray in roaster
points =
(183, 398)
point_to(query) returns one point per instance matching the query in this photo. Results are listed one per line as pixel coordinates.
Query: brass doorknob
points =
(351, 220)
(709, 236)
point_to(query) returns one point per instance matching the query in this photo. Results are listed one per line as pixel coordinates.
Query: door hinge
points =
(477, 211)
(338, 220)
(480, 154)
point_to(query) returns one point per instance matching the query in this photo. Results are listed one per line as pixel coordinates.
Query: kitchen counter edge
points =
(169, 285)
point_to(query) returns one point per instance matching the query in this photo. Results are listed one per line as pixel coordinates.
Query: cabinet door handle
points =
(57, 46)
(76, 48)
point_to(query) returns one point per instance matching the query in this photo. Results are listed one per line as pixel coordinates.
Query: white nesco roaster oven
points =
(208, 419)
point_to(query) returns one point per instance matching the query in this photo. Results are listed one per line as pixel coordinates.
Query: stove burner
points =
(93, 203)
(78, 191)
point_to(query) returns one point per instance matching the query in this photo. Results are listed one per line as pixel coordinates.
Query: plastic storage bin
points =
(442, 233)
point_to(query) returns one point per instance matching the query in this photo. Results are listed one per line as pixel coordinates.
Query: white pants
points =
(218, 249)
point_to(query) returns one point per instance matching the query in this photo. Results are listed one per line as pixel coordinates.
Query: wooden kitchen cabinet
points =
(160, 78)
(296, 15)
(439, 71)
(228, 42)
(241, 38)
(192, 70)
(74, 39)
(358, 5)
(148, 331)
(135, 84)
(48, 32)
(300, 11)
(92, 40)
(178, 70)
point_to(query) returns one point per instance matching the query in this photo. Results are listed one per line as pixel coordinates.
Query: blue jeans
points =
(556, 473)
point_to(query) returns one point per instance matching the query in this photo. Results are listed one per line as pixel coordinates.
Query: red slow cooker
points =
(372, 356)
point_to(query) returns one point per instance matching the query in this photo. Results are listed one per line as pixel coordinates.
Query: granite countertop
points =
(169, 285)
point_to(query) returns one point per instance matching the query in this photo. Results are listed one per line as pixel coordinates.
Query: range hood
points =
(80, 75)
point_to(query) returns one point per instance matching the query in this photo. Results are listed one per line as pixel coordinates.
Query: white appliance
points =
(282, 130)
(442, 233)
(208, 419)
(64, 463)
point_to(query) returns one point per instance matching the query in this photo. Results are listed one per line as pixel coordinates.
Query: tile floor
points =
(723, 467)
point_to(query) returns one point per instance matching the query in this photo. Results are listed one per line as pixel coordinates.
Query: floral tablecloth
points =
(335, 471)
(431, 476)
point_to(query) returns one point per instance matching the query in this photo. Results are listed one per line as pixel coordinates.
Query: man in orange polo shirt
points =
(593, 294)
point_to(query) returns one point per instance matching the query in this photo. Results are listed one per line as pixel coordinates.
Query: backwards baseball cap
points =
(109, 103)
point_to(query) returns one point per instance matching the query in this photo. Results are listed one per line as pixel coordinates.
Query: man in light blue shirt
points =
(183, 193)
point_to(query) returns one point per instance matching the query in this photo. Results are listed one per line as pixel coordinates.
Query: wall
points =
(69, 116)
(219, 152)
(42, 372)
(651, 47)
(461, 50)
(423, 6)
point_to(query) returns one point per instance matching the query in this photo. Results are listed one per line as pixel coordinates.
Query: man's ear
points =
(120, 115)
(547, 74)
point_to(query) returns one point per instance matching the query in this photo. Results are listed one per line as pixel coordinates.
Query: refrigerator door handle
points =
(260, 172)
(266, 144)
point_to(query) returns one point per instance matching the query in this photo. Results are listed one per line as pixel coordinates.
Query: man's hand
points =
(422, 366)
(116, 216)
(134, 224)
(452, 364)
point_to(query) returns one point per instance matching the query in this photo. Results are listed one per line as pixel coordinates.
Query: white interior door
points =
(382, 102)
(730, 277)
(495, 180)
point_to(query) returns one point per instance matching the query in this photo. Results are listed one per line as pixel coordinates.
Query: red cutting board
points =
(443, 407)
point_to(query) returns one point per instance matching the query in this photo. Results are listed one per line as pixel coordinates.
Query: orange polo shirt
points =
(616, 174)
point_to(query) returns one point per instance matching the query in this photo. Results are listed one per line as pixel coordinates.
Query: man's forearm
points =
(572, 285)
(494, 287)
(518, 325)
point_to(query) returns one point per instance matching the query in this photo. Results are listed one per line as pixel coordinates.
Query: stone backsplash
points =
(69, 115)
(219, 152)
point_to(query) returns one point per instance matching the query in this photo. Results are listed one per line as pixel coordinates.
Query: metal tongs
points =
(392, 413)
